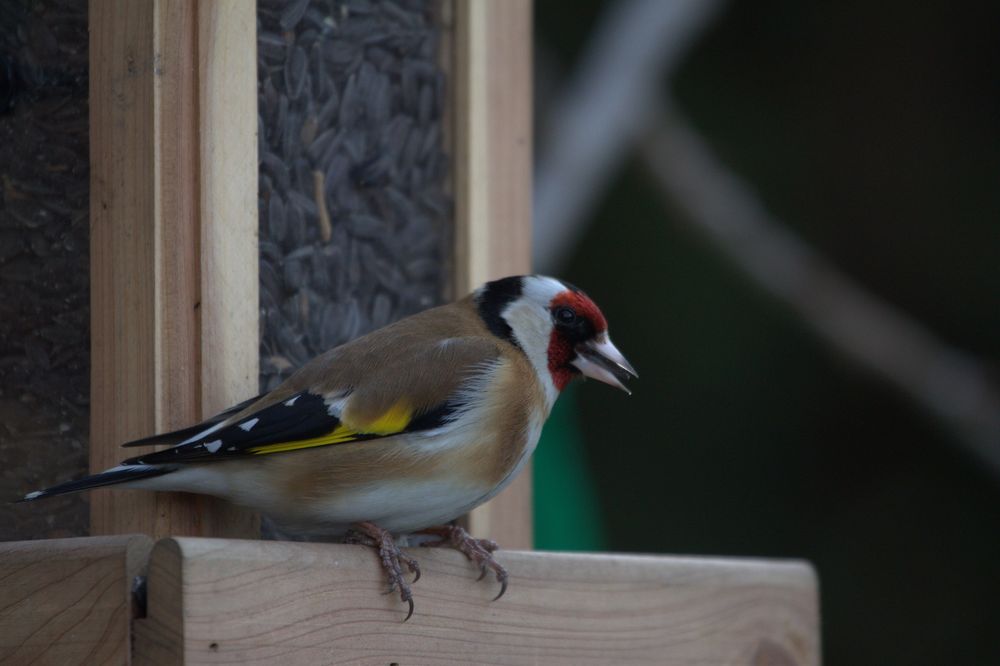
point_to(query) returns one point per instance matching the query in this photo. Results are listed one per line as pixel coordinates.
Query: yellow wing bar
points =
(393, 421)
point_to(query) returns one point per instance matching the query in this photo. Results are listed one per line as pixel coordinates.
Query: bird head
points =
(559, 328)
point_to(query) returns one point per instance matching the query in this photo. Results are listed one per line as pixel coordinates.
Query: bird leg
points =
(391, 557)
(480, 551)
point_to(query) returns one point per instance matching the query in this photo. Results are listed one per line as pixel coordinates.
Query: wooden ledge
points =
(68, 601)
(232, 601)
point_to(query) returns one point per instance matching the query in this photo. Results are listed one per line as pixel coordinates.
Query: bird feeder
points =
(265, 181)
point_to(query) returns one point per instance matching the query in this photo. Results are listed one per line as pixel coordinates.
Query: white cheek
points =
(551, 392)
(533, 329)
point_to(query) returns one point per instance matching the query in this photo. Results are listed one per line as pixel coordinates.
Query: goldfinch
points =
(399, 431)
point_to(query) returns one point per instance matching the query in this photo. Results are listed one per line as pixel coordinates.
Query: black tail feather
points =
(108, 478)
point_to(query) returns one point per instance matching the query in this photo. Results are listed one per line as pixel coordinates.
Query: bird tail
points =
(110, 477)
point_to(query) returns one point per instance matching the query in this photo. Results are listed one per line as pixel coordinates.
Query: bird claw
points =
(479, 551)
(391, 558)
(409, 613)
(503, 585)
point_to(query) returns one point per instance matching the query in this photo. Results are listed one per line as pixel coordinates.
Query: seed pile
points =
(355, 221)
(44, 262)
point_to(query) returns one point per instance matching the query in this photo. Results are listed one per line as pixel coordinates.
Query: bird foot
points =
(391, 557)
(479, 551)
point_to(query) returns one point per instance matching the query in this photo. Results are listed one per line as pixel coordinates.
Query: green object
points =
(567, 510)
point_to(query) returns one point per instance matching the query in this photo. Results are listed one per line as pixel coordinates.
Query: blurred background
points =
(789, 212)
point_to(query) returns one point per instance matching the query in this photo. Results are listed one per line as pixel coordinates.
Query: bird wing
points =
(385, 387)
(179, 436)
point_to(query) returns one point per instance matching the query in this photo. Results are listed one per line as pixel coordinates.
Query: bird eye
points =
(565, 316)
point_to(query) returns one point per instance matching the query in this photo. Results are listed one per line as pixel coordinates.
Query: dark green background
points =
(873, 131)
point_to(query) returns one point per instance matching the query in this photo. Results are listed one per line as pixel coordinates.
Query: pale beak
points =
(601, 360)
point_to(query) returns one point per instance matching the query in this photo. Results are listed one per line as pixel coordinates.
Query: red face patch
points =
(583, 306)
(562, 342)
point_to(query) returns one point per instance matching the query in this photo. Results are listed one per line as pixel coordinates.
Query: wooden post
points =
(173, 239)
(230, 302)
(492, 130)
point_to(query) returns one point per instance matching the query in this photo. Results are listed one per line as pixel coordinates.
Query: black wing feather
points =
(301, 417)
(177, 436)
(306, 417)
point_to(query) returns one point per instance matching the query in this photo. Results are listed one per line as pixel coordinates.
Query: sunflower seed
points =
(277, 223)
(293, 14)
(350, 113)
(295, 73)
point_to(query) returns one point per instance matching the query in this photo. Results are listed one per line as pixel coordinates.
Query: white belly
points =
(398, 506)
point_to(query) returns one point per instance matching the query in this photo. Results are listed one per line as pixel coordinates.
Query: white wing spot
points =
(204, 433)
(34, 495)
(335, 406)
(247, 425)
(291, 401)
(213, 446)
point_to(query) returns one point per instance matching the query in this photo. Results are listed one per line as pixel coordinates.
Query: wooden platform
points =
(68, 601)
(215, 601)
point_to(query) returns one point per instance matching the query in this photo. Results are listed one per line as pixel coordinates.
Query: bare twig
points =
(603, 111)
(941, 379)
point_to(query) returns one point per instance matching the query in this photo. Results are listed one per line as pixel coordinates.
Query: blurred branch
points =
(941, 379)
(609, 108)
(604, 109)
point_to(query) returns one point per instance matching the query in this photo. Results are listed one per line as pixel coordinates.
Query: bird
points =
(399, 431)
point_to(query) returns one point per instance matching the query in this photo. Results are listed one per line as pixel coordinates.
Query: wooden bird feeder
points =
(175, 336)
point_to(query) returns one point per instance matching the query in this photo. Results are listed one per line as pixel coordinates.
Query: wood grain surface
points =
(491, 118)
(173, 240)
(122, 252)
(248, 602)
(68, 601)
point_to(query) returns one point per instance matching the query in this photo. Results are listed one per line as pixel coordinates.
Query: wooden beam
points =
(173, 240)
(230, 304)
(123, 389)
(238, 601)
(68, 601)
(492, 132)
